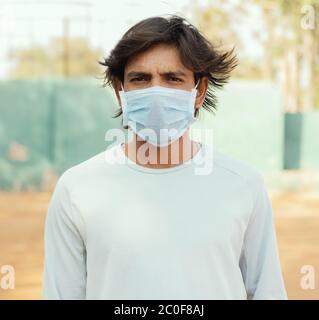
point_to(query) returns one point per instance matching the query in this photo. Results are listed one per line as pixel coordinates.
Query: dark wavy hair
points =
(196, 53)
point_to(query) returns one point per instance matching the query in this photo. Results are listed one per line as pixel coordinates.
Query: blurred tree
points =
(59, 58)
(290, 40)
(294, 48)
(215, 22)
(218, 21)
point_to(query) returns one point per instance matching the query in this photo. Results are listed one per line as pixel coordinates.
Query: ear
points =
(201, 92)
(117, 88)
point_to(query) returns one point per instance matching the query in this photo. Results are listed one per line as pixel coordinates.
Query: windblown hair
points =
(196, 53)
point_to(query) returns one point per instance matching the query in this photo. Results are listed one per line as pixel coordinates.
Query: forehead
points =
(159, 58)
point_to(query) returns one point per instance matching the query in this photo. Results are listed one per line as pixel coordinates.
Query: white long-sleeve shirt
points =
(117, 230)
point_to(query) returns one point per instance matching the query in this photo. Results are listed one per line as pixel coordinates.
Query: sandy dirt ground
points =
(21, 240)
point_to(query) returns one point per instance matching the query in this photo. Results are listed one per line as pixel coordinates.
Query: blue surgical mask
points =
(158, 115)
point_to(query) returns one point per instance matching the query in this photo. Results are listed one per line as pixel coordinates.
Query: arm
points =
(259, 260)
(65, 256)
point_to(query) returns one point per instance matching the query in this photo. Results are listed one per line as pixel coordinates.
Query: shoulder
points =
(251, 179)
(92, 168)
(234, 166)
(236, 169)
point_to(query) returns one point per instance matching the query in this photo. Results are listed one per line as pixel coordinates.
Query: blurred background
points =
(54, 113)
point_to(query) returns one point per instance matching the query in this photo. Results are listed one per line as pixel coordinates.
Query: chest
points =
(154, 214)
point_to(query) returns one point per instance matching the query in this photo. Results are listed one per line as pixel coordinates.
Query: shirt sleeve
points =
(259, 261)
(64, 275)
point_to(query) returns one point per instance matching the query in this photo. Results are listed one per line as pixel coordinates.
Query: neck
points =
(155, 157)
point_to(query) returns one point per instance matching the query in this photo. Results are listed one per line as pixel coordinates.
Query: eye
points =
(138, 79)
(174, 79)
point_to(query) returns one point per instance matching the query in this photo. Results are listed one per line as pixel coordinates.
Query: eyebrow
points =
(137, 74)
(177, 73)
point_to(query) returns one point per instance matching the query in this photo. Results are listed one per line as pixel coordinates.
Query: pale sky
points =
(27, 22)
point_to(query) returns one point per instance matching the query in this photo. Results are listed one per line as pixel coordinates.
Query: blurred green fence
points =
(310, 141)
(249, 123)
(48, 126)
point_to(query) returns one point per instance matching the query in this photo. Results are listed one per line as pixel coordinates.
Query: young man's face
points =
(161, 66)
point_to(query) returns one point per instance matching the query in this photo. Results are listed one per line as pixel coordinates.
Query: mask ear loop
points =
(195, 91)
(122, 86)
(198, 81)
(123, 104)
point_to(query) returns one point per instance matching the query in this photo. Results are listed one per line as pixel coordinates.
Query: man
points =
(140, 220)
